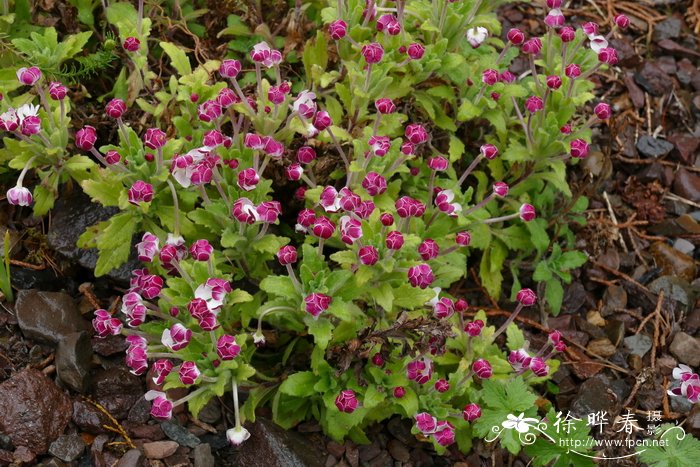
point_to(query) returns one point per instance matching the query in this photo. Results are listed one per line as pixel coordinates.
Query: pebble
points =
(335, 449)
(30, 396)
(132, 458)
(670, 28)
(638, 344)
(203, 456)
(687, 185)
(686, 349)
(398, 450)
(594, 395)
(159, 449)
(672, 262)
(653, 79)
(117, 390)
(602, 346)
(47, 316)
(88, 417)
(692, 423)
(149, 432)
(180, 434)
(67, 447)
(73, 359)
(614, 299)
(649, 146)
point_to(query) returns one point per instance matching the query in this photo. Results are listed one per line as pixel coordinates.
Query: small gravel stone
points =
(203, 456)
(67, 447)
(639, 344)
(686, 349)
(160, 449)
(653, 147)
(398, 450)
(132, 458)
(180, 434)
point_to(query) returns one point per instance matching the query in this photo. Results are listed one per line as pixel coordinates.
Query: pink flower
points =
(386, 219)
(338, 29)
(19, 196)
(161, 407)
(539, 367)
(567, 34)
(443, 200)
(489, 151)
(85, 138)
(317, 303)
(500, 189)
(147, 248)
(227, 348)
(534, 104)
(208, 322)
(323, 227)
(322, 120)
(154, 138)
(275, 95)
(201, 250)
(420, 370)
(553, 82)
(29, 76)
(507, 77)
(379, 145)
(248, 179)
(209, 111)
(305, 219)
(471, 412)
(602, 111)
(188, 373)
(527, 212)
(385, 106)
(399, 392)
(365, 209)
(131, 44)
(415, 51)
(421, 276)
(442, 385)
(474, 328)
(572, 71)
(350, 230)
(374, 183)
(112, 157)
(526, 297)
(230, 68)
(407, 148)
(115, 108)
(105, 325)
(263, 54)
(57, 91)
(269, 211)
(137, 360)
(590, 28)
(532, 46)
(287, 255)
(444, 433)
(244, 211)
(608, 55)
(389, 24)
(346, 401)
(306, 154)
(31, 125)
(305, 104)
(555, 19)
(373, 52)
(444, 308)
(214, 292)
(237, 435)
(9, 121)
(416, 133)
(161, 369)
(428, 249)
(409, 207)
(489, 76)
(368, 255)
(426, 423)
(598, 43)
(226, 98)
(519, 360)
(622, 21)
(177, 337)
(394, 240)
(516, 36)
(140, 192)
(579, 148)
(482, 368)
(554, 3)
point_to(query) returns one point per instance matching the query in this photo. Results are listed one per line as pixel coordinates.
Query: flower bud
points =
(554, 3)
(306, 154)
(421, 276)
(373, 52)
(368, 255)
(539, 367)
(201, 250)
(489, 77)
(140, 192)
(399, 392)
(388, 23)
(555, 18)
(420, 370)
(322, 120)
(428, 249)
(229, 68)
(526, 297)
(227, 348)
(579, 148)
(237, 435)
(287, 255)
(471, 412)
(374, 183)
(346, 401)
(590, 28)
(532, 46)
(438, 163)
(622, 21)
(567, 34)
(386, 219)
(248, 179)
(28, 76)
(602, 111)
(154, 138)
(608, 55)
(415, 51)
(112, 157)
(482, 369)
(474, 328)
(506, 77)
(188, 373)
(426, 423)
(534, 104)
(338, 29)
(416, 133)
(516, 36)
(553, 82)
(489, 151)
(500, 189)
(476, 36)
(317, 303)
(463, 238)
(105, 325)
(161, 407)
(394, 240)
(115, 108)
(527, 212)
(442, 385)
(445, 433)
(572, 71)
(161, 369)
(385, 106)
(19, 196)
(57, 91)
(131, 44)
(85, 138)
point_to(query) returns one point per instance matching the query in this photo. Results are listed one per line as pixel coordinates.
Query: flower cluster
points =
(688, 383)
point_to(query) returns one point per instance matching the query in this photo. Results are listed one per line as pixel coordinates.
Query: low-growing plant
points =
(344, 307)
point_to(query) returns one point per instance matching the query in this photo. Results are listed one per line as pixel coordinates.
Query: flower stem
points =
(176, 209)
(510, 319)
(236, 410)
(469, 170)
(479, 205)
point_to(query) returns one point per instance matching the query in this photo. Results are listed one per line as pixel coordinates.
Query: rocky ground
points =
(631, 313)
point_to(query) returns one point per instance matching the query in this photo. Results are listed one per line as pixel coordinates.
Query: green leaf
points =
(114, 242)
(269, 244)
(490, 268)
(280, 286)
(515, 339)
(542, 272)
(178, 58)
(103, 189)
(456, 148)
(468, 111)
(384, 295)
(572, 260)
(538, 234)
(409, 402)
(410, 298)
(554, 295)
(675, 453)
(321, 329)
(372, 397)
(344, 257)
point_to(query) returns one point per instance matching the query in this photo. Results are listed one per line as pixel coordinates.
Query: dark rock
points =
(211, 412)
(23, 455)
(335, 449)
(574, 298)
(88, 417)
(73, 358)
(686, 349)
(53, 462)
(636, 94)
(614, 299)
(203, 456)
(159, 449)
(382, 460)
(47, 316)
(34, 411)
(180, 434)
(672, 262)
(352, 454)
(653, 79)
(109, 345)
(638, 344)
(400, 428)
(398, 450)
(149, 432)
(680, 404)
(132, 458)
(45, 279)
(674, 288)
(178, 460)
(117, 390)
(686, 146)
(657, 172)
(67, 447)
(216, 441)
(615, 331)
(72, 215)
(6, 442)
(668, 64)
(692, 423)
(687, 185)
(271, 445)
(650, 396)
(369, 451)
(653, 147)
(140, 412)
(626, 55)
(670, 28)
(593, 396)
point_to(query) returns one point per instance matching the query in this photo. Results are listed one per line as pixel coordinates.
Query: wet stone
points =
(109, 345)
(335, 449)
(614, 299)
(117, 390)
(271, 445)
(73, 358)
(686, 349)
(88, 417)
(638, 345)
(649, 146)
(670, 28)
(140, 412)
(686, 146)
(67, 447)
(594, 396)
(34, 411)
(687, 185)
(211, 412)
(203, 456)
(180, 434)
(160, 449)
(149, 432)
(601, 346)
(653, 79)
(692, 424)
(132, 458)
(47, 316)
(673, 288)
(672, 262)
(398, 450)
